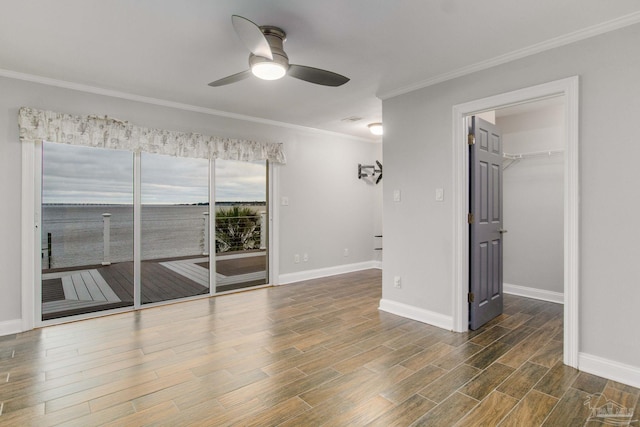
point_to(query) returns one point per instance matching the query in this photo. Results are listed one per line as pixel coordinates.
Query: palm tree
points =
(237, 229)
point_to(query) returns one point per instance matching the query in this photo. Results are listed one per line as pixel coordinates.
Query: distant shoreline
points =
(240, 203)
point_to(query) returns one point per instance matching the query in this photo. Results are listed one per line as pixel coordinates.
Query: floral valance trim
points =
(107, 132)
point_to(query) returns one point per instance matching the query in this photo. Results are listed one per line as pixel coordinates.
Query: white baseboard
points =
(326, 272)
(415, 313)
(610, 369)
(534, 293)
(10, 327)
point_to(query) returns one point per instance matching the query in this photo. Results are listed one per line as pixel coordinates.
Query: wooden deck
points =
(103, 288)
(82, 289)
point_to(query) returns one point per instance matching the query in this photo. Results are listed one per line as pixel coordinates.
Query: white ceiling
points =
(170, 49)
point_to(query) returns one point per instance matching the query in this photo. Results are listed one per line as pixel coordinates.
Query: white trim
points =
(324, 272)
(137, 230)
(377, 265)
(212, 256)
(585, 33)
(610, 369)
(170, 104)
(29, 222)
(571, 223)
(9, 327)
(36, 286)
(541, 294)
(415, 313)
(569, 89)
(274, 224)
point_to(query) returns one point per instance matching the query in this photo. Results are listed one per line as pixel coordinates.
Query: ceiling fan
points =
(268, 59)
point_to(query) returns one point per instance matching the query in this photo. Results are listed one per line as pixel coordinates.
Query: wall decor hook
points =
(370, 170)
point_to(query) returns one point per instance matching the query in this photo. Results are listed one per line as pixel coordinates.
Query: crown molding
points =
(595, 30)
(170, 104)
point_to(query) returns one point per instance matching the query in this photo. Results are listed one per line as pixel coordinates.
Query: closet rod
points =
(531, 154)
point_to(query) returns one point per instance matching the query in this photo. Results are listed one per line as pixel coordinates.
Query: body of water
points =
(77, 233)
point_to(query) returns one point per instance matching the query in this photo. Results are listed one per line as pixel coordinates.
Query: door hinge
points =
(471, 139)
(470, 297)
(470, 218)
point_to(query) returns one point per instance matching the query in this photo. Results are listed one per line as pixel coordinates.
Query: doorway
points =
(522, 220)
(568, 90)
(533, 141)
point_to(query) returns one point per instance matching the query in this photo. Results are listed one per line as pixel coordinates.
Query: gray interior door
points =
(485, 222)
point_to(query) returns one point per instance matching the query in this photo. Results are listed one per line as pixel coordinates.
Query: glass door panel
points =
(241, 224)
(87, 230)
(174, 227)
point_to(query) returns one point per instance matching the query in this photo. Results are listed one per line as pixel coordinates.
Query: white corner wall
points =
(330, 209)
(418, 159)
(533, 203)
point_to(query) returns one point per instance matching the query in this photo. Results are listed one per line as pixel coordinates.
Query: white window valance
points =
(108, 132)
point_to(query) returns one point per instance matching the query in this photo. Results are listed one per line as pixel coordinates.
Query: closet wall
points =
(533, 198)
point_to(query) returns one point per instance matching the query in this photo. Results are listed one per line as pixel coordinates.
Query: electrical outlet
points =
(284, 201)
(345, 252)
(296, 258)
(397, 282)
(305, 257)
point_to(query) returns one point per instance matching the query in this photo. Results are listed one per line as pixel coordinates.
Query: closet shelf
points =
(515, 158)
(531, 154)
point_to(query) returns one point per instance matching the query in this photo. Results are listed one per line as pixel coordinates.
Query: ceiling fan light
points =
(376, 128)
(268, 70)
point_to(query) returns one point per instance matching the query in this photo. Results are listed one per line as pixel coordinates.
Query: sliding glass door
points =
(126, 230)
(87, 230)
(241, 224)
(174, 224)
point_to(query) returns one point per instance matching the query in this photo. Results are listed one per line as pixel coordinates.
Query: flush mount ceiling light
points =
(268, 70)
(375, 128)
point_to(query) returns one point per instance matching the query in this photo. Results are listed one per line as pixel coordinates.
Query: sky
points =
(75, 174)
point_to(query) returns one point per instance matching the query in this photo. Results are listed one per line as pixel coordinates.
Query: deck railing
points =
(79, 244)
(241, 233)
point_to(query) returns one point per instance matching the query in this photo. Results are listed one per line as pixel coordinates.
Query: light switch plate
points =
(439, 194)
(284, 201)
(397, 196)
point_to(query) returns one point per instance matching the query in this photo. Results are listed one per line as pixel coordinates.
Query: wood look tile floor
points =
(309, 354)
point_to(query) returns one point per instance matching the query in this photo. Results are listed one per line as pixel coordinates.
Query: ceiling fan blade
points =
(231, 79)
(251, 36)
(316, 75)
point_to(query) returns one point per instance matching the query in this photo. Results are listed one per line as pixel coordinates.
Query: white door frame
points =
(569, 89)
(30, 233)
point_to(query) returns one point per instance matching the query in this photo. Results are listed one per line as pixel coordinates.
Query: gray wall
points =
(533, 200)
(330, 209)
(418, 159)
